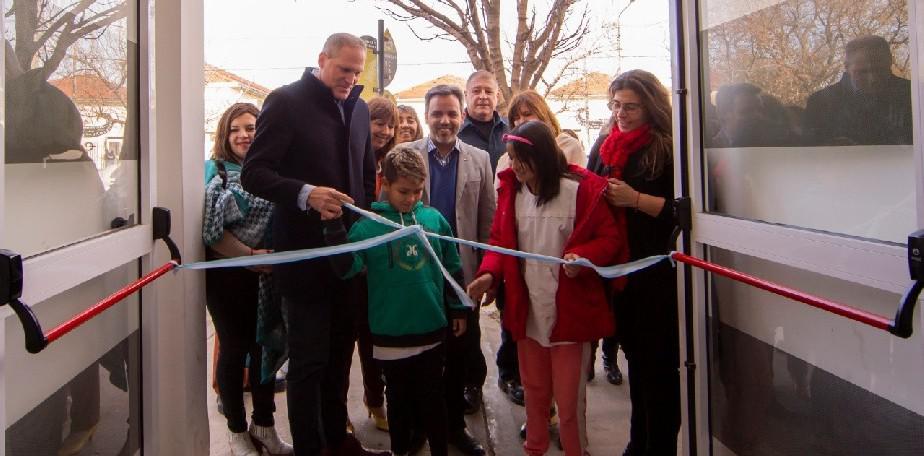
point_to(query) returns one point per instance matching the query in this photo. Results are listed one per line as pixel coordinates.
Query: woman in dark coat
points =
(635, 154)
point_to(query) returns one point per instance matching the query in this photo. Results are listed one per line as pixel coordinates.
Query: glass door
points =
(72, 209)
(805, 145)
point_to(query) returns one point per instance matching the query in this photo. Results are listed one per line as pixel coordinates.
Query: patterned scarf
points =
(619, 146)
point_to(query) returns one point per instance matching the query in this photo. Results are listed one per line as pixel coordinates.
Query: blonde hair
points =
(403, 162)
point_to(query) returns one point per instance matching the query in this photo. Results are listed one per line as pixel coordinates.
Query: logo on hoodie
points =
(408, 255)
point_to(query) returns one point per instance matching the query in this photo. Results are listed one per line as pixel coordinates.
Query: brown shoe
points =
(351, 447)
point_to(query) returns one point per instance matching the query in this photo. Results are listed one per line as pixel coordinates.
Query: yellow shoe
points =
(75, 441)
(378, 415)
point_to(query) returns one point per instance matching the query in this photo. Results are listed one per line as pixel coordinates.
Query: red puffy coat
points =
(582, 303)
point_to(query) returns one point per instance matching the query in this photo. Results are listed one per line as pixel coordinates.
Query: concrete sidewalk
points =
(496, 425)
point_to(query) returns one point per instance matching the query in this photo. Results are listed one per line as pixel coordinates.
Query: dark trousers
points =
(654, 389)
(476, 367)
(231, 298)
(507, 360)
(608, 350)
(373, 384)
(320, 344)
(647, 313)
(415, 400)
(610, 347)
(458, 357)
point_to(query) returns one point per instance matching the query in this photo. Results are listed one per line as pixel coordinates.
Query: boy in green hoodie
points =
(408, 301)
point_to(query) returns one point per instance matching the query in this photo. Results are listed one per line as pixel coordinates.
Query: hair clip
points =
(509, 137)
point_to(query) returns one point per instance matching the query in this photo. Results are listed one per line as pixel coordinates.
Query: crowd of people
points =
(278, 180)
(868, 105)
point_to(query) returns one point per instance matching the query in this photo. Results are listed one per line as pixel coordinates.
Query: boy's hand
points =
(458, 326)
(480, 288)
(571, 270)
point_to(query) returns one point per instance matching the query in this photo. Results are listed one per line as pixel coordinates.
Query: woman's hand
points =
(620, 194)
(571, 270)
(261, 268)
(481, 287)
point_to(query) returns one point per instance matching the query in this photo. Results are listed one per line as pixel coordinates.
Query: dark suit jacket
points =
(837, 114)
(302, 138)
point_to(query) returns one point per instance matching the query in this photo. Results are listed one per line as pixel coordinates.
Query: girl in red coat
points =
(548, 207)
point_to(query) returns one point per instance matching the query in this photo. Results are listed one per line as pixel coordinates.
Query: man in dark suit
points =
(311, 153)
(868, 106)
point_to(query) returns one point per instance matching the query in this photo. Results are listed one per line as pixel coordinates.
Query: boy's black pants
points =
(414, 390)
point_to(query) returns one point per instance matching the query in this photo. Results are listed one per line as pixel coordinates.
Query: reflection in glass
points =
(793, 49)
(788, 86)
(869, 105)
(96, 412)
(71, 91)
(83, 391)
(787, 379)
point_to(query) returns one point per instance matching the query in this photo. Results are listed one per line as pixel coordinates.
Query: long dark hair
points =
(221, 149)
(656, 101)
(543, 157)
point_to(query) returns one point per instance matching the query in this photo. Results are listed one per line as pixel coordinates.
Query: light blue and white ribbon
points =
(291, 256)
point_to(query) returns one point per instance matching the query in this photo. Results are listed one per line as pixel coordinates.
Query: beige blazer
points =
(476, 199)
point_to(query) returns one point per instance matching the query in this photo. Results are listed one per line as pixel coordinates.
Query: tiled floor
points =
(607, 410)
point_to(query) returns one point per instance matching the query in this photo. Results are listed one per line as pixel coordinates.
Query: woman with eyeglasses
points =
(546, 206)
(635, 154)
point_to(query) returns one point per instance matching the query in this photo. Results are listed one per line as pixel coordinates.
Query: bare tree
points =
(44, 30)
(541, 36)
(796, 47)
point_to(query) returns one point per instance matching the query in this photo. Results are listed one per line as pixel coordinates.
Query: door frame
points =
(170, 37)
(880, 265)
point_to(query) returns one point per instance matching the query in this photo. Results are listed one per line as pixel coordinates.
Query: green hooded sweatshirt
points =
(408, 299)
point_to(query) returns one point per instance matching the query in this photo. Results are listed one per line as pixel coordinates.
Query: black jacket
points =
(302, 138)
(838, 115)
(646, 310)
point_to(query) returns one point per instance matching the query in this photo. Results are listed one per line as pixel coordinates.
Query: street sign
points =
(369, 77)
(391, 59)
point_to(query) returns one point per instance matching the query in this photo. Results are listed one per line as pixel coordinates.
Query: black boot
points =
(613, 375)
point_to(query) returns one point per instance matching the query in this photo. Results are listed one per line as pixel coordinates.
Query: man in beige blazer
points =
(460, 184)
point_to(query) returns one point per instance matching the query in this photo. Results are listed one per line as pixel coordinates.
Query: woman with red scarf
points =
(635, 154)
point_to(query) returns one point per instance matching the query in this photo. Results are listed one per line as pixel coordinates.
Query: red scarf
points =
(619, 146)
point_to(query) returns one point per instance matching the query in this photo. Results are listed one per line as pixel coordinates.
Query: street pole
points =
(619, 37)
(380, 53)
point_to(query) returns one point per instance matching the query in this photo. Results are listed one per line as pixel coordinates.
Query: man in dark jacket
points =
(484, 128)
(869, 105)
(311, 153)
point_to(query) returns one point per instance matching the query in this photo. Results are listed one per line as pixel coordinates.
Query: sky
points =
(272, 43)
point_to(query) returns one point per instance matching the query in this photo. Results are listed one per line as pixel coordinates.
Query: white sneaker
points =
(267, 438)
(242, 445)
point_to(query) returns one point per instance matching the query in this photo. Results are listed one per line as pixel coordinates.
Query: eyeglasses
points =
(628, 108)
(519, 139)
